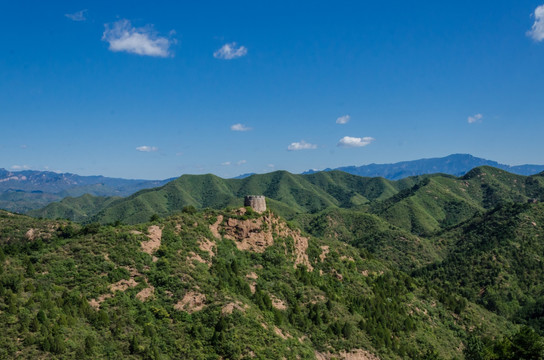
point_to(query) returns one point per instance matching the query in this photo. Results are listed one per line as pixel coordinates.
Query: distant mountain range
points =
(420, 204)
(27, 190)
(21, 191)
(456, 164)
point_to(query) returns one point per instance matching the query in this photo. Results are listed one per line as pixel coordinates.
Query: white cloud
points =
(302, 145)
(77, 16)
(239, 127)
(122, 36)
(349, 141)
(537, 30)
(145, 148)
(238, 163)
(229, 52)
(24, 146)
(20, 167)
(271, 166)
(343, 119)
(475, 118)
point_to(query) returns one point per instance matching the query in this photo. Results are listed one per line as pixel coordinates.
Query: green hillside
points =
(231, 285)
(439, 201)
(384, 241)
(77, 209)
(421, 205)
(496, 260)
(292, 194)
(22, 201)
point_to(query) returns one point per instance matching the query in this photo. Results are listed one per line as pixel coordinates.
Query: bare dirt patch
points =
(301, 245)
(194, 256)
(33, 234)
(281, 334)
(191, 302)
(252, 275)
(337, 274)
(30, 234)
(145, 293)
(207, 245)
(230, 307)
(278, 303)
(215, 226)
(154, 242)
(252, 283)
(325, 251)
(123, 285)
(355, 354)
(253, 287)
(95, 303)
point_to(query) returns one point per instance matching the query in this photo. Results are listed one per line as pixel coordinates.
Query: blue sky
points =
(156, 90)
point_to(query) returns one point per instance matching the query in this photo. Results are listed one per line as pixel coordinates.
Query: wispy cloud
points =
(230, 51)
(537, 30)
(271, 166)
(145, 148)
(239, 127)
(24, 146)
(238, 163)
(475, 118)
(77, 16)
(122, 36)
(349, 141)
(343, 119)
(20, 167)
(301, 145)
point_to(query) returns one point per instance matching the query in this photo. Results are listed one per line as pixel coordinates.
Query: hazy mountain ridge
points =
(455, 164)
(21, 191)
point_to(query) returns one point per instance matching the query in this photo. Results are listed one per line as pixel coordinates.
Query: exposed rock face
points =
(191, 302)
(154, 243)
(257, 202)
(249, 234)
(258, 234)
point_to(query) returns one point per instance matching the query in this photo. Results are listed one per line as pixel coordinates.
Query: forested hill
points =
(234, 284)
(421, 204)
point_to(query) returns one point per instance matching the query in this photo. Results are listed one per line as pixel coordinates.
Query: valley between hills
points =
(339, 266)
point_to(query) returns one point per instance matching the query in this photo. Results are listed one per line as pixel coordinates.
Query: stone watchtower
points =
(257, 202)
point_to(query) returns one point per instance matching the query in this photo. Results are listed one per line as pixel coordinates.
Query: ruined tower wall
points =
(257, 202)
